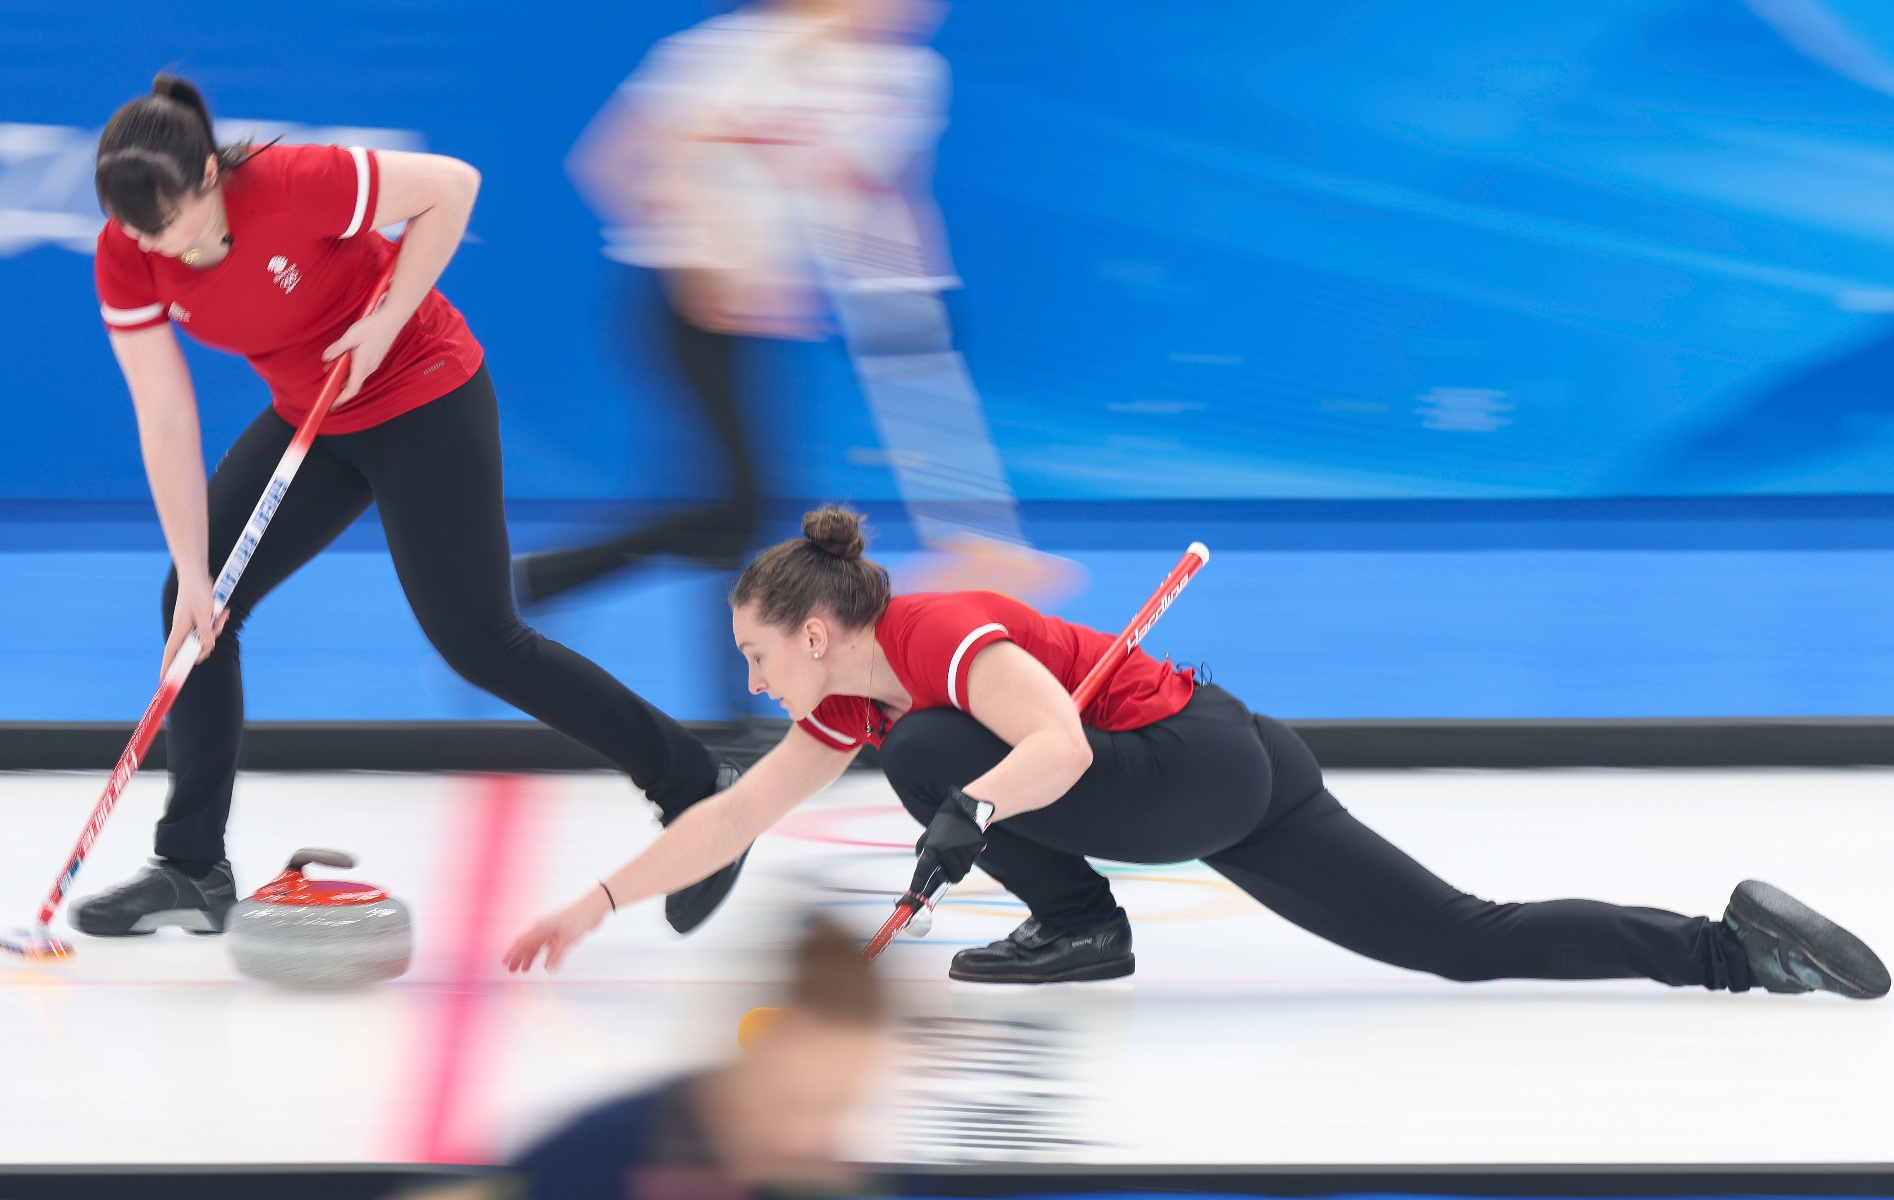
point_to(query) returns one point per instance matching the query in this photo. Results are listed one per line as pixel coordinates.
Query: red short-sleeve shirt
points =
(301, 264)
(931, 640)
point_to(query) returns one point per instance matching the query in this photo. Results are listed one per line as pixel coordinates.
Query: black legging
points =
(715, 535)
(1245, 795)
(434, 475)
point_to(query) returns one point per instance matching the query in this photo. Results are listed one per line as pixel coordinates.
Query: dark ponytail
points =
(822, 569)
(153, 151)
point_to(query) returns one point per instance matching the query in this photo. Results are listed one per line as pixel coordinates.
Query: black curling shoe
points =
(157, 896)
(1035, 954)
(1793, 948)
(690, 907)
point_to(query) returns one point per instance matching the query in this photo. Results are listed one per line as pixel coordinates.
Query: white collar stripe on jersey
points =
(846, 741)
(130, 316)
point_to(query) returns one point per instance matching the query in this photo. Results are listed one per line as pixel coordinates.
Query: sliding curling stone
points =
(298, 932)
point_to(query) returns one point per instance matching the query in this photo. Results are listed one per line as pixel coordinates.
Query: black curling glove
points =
(953, 840)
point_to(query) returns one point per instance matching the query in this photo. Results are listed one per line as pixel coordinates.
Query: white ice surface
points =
(1240, 1040)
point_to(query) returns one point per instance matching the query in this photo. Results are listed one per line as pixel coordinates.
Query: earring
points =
(817, 654)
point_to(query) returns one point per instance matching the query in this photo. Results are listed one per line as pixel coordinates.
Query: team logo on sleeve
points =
(177, 312)
(285, 273)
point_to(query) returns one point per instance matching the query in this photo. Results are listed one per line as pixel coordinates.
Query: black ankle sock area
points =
(193, 868)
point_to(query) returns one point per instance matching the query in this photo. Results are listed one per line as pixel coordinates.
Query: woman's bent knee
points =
(1470, 942)
(931, 752)
(937, 740)
(484, 658)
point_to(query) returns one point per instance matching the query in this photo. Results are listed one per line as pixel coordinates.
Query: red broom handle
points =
(186, 658)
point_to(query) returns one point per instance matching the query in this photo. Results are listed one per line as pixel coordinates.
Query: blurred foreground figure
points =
(774, 1119)
(774, 164)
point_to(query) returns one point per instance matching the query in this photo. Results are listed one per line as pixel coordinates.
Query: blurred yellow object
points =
(756, 1025)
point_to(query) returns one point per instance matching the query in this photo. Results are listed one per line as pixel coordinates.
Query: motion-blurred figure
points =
(774, 165)
(775, 1118)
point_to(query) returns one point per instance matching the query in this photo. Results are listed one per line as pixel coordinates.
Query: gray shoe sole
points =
(193, 920)
(1842, 958)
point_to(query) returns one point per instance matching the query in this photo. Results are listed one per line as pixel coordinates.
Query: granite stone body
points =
(305, 933)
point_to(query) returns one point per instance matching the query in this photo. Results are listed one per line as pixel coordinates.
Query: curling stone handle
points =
(328, 858)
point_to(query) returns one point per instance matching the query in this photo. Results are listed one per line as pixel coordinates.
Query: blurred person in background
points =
(775, 1119)
(773, 165)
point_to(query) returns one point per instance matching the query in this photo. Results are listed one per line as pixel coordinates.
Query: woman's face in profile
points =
(781, 662)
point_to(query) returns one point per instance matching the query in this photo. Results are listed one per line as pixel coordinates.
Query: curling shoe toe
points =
(687, 908)
(1793, 948)
(1034, 953)
(157, 896)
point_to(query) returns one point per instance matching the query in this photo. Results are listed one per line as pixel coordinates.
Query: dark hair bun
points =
(171, 87)
(821, 570)
(836, 530)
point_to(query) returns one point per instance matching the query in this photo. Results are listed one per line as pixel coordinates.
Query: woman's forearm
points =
(715, 831)
(175, 464)
(705, 837)
(429, 244)
(173, 451)
(1015, 697)
(1039, 770)
(609, 162)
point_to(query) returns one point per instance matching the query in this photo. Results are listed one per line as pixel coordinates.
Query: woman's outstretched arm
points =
(708, 835)
(173, 449)
(1013, 695)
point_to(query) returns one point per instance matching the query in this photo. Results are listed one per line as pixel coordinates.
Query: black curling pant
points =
(1245, 795)
(434, 475)
(716, 535)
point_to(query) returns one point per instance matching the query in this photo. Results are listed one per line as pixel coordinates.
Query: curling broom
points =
(39, 941)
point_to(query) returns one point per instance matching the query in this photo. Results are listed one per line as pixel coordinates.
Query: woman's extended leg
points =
(1313, 863)
(436, 477)
(716, 535)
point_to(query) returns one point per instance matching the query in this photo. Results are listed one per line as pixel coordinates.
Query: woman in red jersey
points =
(968, 696)
(270, 253)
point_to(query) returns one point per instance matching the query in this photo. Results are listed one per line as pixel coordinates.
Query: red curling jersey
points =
(301, 264)
(932, 638)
